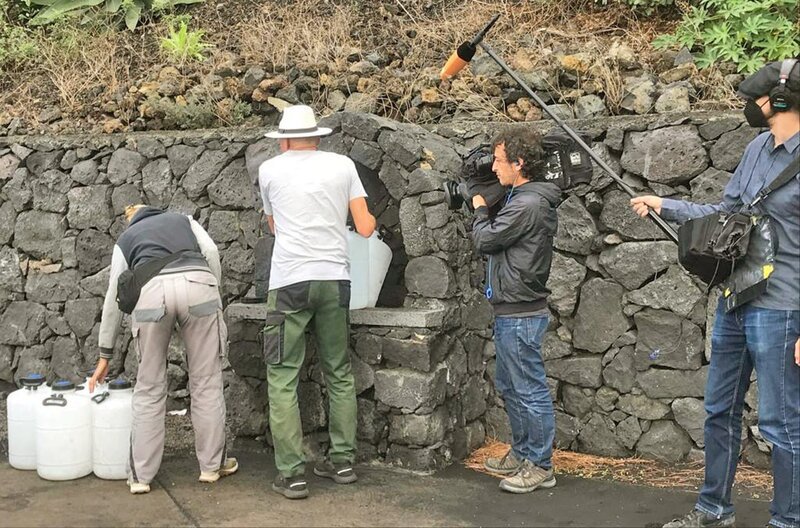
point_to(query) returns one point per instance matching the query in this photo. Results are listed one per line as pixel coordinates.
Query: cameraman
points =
(519, 243)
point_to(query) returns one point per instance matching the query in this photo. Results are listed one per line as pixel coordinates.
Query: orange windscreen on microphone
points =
(453, 65)
(458, 60)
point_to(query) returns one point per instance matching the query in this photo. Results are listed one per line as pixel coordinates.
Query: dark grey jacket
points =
(519, 242)
(154, 233)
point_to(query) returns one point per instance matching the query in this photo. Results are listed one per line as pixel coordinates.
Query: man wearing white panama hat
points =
(307, 195)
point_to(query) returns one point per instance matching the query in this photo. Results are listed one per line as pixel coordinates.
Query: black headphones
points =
(781, 98)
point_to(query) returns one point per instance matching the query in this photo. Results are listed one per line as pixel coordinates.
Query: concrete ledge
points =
(404, 317)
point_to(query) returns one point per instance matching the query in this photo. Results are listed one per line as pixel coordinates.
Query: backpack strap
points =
(786, 175)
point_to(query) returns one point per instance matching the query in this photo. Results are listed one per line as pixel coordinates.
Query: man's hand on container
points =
(99, 374)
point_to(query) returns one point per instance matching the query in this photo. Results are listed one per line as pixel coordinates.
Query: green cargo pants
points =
(290, 310)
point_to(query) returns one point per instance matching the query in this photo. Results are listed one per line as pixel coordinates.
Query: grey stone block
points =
(664, 441)
(410, 390)
(419, 430)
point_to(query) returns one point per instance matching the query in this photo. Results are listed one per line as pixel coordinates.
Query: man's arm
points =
(109, 321)
(683, 210)
(208, 248)
(492, 235)
(271, 223)
(362, 218)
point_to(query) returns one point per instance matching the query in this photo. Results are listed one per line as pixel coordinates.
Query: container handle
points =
(58, 400)
(100, 398)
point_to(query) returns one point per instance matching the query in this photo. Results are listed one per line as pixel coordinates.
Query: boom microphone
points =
(465, 52)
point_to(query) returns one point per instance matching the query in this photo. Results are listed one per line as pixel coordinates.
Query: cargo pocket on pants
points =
(344, 294)
(272, 337)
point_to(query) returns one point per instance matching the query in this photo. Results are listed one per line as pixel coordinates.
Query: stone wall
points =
(623, 383)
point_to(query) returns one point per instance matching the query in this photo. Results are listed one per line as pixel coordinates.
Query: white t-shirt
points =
(308, 195)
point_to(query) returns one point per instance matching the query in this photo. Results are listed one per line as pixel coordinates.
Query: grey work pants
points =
(190, 298)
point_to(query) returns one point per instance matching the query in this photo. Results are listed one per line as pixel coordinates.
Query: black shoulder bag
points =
(131, 282)
(709, 246)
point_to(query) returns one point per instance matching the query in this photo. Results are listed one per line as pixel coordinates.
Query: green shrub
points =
(745, 32)
(199, 112)
(131, 11)
(182, 44)
(17, 44)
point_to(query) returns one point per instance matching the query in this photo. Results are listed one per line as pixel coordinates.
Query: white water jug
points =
(83, 389)
(369, 262)
(22, 421)
(63, 434)
(112, 418)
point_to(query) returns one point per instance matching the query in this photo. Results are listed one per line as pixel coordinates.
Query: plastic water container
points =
(112, 417)
(369, 262)
(83, 388)
(63, 434)
(22, 421)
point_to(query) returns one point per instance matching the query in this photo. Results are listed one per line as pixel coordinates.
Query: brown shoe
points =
(529, 478)
(504, 465)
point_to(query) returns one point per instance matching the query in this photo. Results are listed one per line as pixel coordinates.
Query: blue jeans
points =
(520, 379)
(743, 339)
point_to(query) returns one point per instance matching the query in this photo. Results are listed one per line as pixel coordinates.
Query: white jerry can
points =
(21, 415)
(112, 418)
(63, 434)
(369, 262)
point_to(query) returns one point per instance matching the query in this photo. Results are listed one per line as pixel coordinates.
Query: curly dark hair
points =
(525, 144)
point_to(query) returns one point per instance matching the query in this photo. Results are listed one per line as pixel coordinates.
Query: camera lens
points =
(452, 195)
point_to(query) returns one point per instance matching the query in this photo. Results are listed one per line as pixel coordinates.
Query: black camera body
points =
(566, 165)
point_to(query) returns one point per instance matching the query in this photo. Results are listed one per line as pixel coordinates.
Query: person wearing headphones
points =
(519, 243)
(763, 333)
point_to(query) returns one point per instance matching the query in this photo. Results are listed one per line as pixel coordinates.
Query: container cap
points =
(63, 385)
(119, 384)
(32, 380)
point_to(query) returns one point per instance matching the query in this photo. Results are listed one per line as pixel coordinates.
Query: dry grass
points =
(751, 481)
(77, 65)
(319, 35)
(76, 70)
(307, 32)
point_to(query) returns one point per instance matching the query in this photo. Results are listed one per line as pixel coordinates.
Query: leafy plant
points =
(131, 11)
(745, 32)
(182, 44)
(16, 45)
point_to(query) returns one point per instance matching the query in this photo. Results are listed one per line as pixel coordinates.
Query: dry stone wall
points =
(626, 352)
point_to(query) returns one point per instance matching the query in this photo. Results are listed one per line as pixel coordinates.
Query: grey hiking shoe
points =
(340, 473)
(698, 519)
(504, 465)
(529, 478)
(291, 487)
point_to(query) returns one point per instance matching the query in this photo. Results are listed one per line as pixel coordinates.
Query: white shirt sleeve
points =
(208, 248)
(356, 187)
(109, 321)
(263, 185)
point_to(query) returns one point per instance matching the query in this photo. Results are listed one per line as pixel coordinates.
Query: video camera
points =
(566, 165)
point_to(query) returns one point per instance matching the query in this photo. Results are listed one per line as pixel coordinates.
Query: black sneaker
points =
(340, 473)
(291, 487)
(698, 519)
